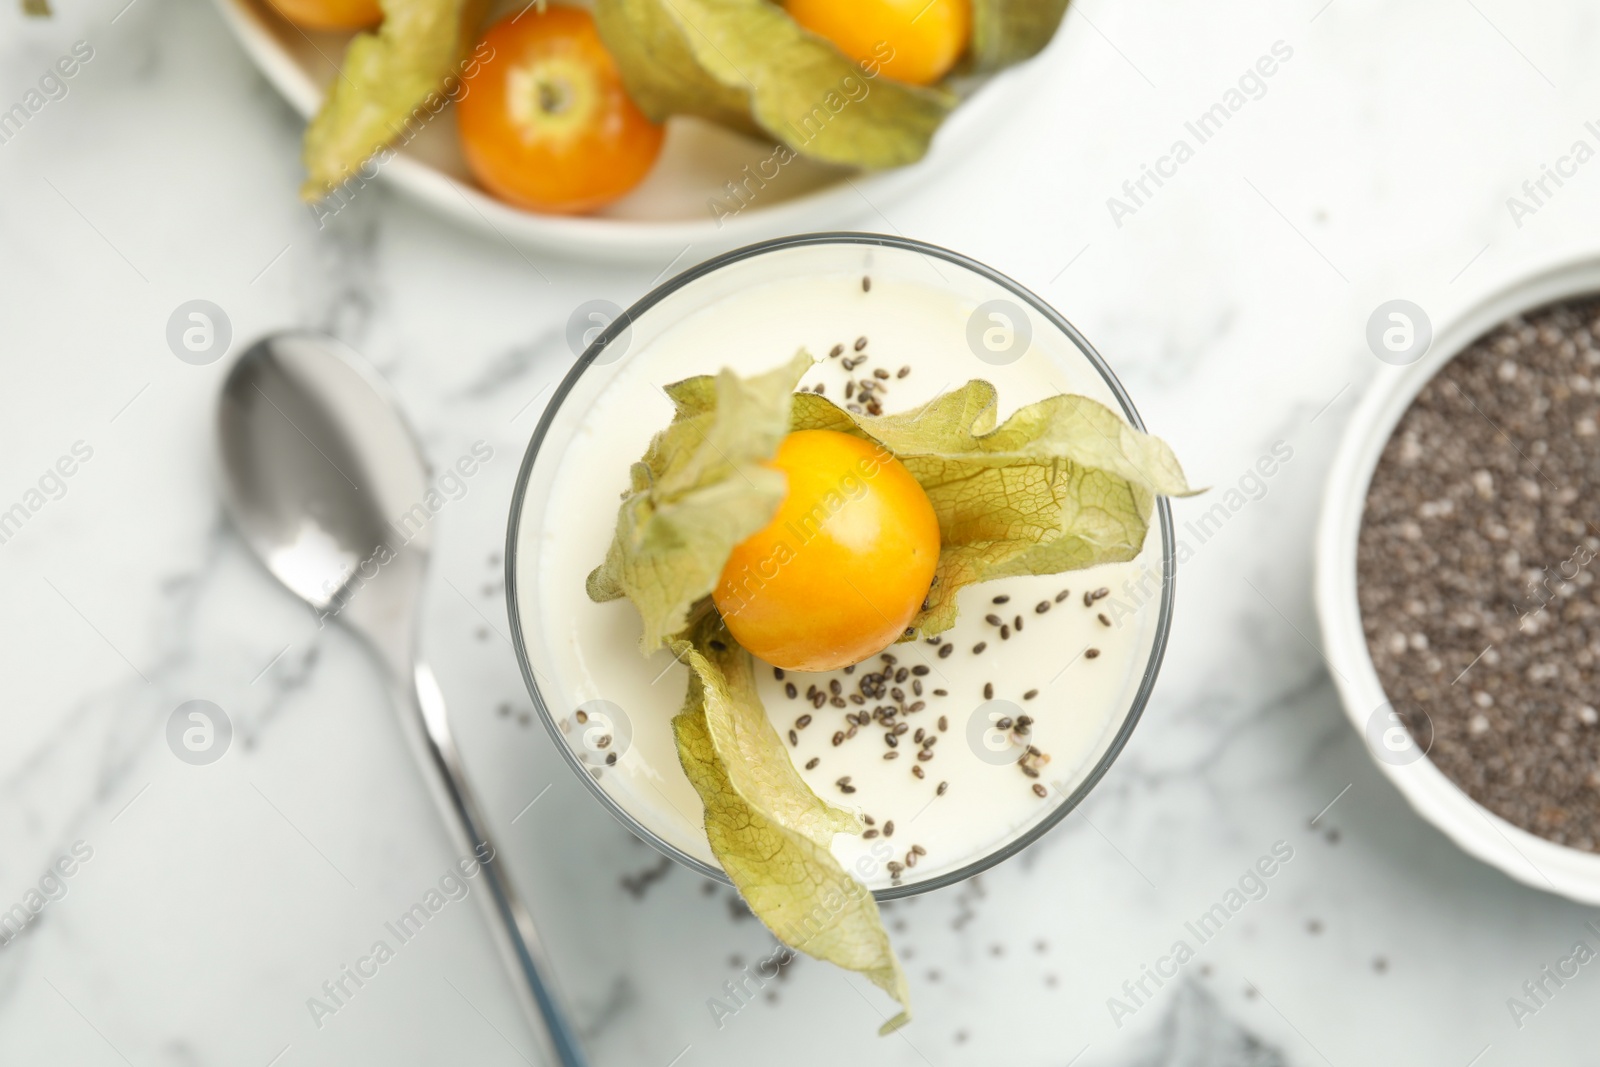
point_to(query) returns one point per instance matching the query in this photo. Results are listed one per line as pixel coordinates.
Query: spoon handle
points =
(513, 927)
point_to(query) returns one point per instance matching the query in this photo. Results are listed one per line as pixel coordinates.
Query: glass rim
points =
(658, 293)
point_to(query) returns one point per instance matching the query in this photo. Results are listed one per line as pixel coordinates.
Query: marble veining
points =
(1233, 305)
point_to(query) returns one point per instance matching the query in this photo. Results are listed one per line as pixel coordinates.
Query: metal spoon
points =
(328, 485)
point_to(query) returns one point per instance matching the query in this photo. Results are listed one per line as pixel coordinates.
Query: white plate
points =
(1527, 858)
(670, 212)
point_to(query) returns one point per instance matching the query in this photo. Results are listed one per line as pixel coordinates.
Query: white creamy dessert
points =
(1066, 651)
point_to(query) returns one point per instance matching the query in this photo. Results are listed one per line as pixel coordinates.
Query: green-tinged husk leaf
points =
(1006, 32)
(1064, 484)
(700, 490)
(748, 64)
(769, 831)
(390, 82)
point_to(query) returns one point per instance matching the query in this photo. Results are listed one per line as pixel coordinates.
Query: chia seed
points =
(1475, 582)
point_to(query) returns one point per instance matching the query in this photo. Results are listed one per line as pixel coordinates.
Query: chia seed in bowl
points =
(1475, 571)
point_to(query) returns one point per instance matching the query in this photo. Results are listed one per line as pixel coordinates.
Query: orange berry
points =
(915, 41)
(545, 122)
(844, 565)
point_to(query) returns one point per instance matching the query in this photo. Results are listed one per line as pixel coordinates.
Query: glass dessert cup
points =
(993, 328)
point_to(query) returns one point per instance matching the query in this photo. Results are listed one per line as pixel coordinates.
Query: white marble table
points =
(1232, 301)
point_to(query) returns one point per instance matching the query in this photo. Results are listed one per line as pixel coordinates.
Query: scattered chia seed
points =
(1042, 606)
(1478, 598)
(861, 342)
(888, 828)
(794, 739)
(942, 787)
(1103, 620)
(790, 690)
(1039, 790)
(916, 770)
(777, 672)
(811, 764)
(1063, 595)
(1005, 633)
(802, 722)
(1002, 599)
(977, 649)
(866, 283)
(988, 692)
(944, 724)
(1029, 695)
(945, 650)
(903, 371)
(838, 350)
(1091, 653)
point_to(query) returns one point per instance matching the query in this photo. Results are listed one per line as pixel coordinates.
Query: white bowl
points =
(1527, 858)
(669, 214)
